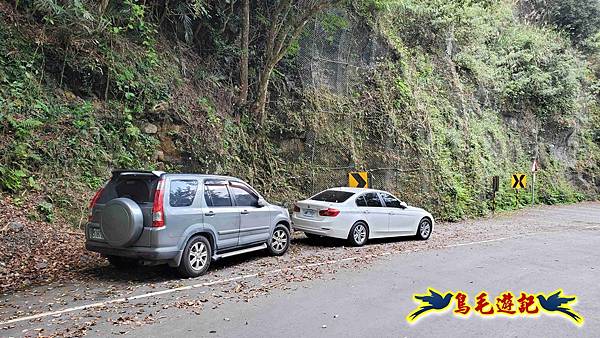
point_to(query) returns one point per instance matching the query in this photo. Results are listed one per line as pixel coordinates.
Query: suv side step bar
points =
(242, 251)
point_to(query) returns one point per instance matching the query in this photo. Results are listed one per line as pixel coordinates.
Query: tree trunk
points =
(103, 5)
(244, 57)
(263, 89)
(286, 25)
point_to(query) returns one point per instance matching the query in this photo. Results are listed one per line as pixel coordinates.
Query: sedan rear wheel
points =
(359, 233)
(424, 230)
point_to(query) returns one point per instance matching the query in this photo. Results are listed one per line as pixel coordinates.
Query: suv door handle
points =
(210, 213)
(244, 212)
(366, 212)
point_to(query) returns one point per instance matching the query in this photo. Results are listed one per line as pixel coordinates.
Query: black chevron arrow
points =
(518, 181)
(521, 183)
(361, 182)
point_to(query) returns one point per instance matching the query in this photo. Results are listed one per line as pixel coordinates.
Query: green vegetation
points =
(466, 90)
(485, 84)
(579, 19)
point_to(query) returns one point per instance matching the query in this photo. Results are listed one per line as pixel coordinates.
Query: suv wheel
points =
(280, 240)
(196, 258)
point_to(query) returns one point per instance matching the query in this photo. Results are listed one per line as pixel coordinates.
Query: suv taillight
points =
(158, 215)
(296, 208)
(330, 212)
(93, 203)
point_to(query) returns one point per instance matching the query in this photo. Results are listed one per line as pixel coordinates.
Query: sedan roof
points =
(355, 190)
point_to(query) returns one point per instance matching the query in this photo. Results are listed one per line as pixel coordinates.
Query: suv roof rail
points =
(137, 172)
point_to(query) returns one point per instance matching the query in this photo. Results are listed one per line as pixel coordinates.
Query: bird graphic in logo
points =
(434, 301)
(556, 303)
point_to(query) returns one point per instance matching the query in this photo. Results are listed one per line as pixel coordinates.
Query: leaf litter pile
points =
(34, 252)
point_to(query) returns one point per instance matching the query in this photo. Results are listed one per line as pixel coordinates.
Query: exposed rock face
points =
(333, 59)
(159, 155)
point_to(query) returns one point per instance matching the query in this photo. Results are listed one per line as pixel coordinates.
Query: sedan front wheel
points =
(425, 229)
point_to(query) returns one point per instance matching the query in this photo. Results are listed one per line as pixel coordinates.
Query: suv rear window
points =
(139, 188)
(182, 193)
(333, 196)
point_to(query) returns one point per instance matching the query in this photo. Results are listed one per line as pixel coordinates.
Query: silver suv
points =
(185, 220)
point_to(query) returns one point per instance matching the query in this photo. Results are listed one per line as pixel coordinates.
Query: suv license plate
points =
(309, 212)
(96, 233)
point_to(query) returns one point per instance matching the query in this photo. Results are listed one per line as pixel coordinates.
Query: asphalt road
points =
(374, 302)
(324, 288)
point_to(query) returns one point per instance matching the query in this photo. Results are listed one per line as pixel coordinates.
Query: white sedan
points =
(358, 214)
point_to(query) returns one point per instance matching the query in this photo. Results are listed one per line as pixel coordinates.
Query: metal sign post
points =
(534, 168)
(495, 188)
(534, 165)
(533, 190)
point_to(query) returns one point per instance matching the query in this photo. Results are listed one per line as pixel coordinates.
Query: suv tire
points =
(280, 240)
(122, 222)
(196, 257)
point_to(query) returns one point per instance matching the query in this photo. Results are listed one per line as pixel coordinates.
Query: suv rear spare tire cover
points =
(122, 222)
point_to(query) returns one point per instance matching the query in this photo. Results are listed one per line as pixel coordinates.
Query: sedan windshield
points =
(333, 196)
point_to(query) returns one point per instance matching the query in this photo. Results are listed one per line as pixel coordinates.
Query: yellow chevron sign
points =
(518, 181)
(358, 179)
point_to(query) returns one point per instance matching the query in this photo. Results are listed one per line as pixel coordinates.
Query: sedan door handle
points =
(209, 214)
(244, 212)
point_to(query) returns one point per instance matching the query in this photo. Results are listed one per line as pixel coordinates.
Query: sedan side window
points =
(182, 193)
(373, 200)
(390, 201)
(361, 202)
(217, 196)
(243, 197)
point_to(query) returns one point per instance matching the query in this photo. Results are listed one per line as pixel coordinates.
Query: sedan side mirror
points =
(262, 203)
(403, 205)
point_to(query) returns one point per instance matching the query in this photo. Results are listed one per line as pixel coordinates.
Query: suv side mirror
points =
(403, 205)
(262, 203)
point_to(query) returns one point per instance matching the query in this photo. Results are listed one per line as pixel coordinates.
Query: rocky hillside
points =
(433, 97)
